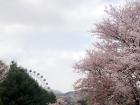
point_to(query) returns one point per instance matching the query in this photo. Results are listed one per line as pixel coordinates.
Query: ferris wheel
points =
(42, 81)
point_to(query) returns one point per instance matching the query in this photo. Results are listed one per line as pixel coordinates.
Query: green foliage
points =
(83, 102)
(19, 88)
(52, 97)
(1, 102)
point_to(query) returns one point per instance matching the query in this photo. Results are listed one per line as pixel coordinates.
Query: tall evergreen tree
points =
(19, 88)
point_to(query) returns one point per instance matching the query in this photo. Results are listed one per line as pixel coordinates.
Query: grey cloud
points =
(48, 12)
(59, 41)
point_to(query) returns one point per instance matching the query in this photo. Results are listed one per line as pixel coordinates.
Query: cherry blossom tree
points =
(112, 73)
(3, 70)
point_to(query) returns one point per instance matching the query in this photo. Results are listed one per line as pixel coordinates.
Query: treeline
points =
(18, 88)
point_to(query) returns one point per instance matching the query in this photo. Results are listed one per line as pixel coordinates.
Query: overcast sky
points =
(49, 36)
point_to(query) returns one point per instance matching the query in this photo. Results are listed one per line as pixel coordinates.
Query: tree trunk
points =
(137, 102)
(136, 99)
